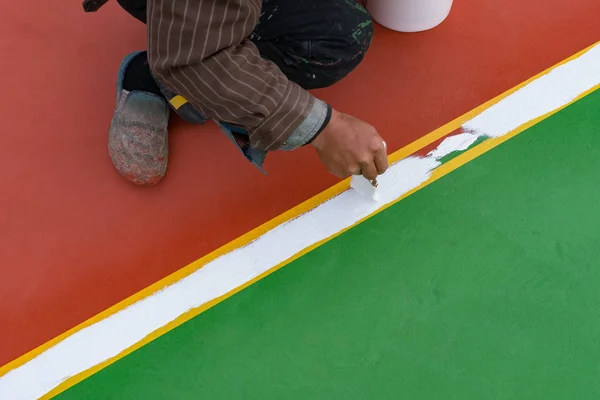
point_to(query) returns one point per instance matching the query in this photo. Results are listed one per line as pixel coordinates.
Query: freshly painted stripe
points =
(108, 338)
(542, 96)
(452, 144)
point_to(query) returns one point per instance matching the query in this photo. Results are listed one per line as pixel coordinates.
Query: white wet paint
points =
(365, 188)
(453, 143)
(107, 338)
(546, 94)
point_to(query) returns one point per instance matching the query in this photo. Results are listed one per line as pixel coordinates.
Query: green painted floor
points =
(483, 285)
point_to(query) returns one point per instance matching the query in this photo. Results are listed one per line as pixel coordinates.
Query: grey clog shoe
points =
(138, 135)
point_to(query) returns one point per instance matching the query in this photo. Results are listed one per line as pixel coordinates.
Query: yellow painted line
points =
(291, 214)
(178, 101)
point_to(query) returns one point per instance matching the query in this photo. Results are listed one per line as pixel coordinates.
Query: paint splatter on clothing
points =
(315, 43)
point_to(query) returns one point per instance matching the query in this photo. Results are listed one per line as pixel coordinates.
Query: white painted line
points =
(107, 338)
(449, 145)
(545, 94)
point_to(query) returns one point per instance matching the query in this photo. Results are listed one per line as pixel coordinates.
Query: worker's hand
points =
(348, 146)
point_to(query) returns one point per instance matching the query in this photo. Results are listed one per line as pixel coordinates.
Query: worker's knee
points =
(323, 46)
(342, 45)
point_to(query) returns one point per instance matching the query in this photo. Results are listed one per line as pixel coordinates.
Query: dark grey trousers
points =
(314, 42)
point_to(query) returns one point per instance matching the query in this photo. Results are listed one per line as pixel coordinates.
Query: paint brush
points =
(365, 187)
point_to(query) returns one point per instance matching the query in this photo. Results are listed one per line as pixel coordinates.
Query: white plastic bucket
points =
(409, 15)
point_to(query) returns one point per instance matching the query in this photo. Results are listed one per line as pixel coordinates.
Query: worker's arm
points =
(199, 49)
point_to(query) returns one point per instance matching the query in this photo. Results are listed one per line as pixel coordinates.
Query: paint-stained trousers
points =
(307, 39)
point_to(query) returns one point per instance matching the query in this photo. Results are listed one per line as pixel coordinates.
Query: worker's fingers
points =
(339, 172)
(369, 170)
(381, 159)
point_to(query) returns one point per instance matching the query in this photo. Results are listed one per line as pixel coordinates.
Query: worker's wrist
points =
(314, 123)
(324, 125)
(333, 124)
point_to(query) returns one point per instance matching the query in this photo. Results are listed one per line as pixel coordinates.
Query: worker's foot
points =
(138, 136)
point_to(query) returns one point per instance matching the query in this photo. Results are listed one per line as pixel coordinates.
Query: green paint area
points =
(483, 285)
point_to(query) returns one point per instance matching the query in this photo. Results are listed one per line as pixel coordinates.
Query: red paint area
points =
(76, 238)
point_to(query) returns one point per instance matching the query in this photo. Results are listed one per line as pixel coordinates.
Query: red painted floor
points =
(75, 238)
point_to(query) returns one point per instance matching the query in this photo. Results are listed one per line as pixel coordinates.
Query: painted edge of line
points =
(291, 214)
